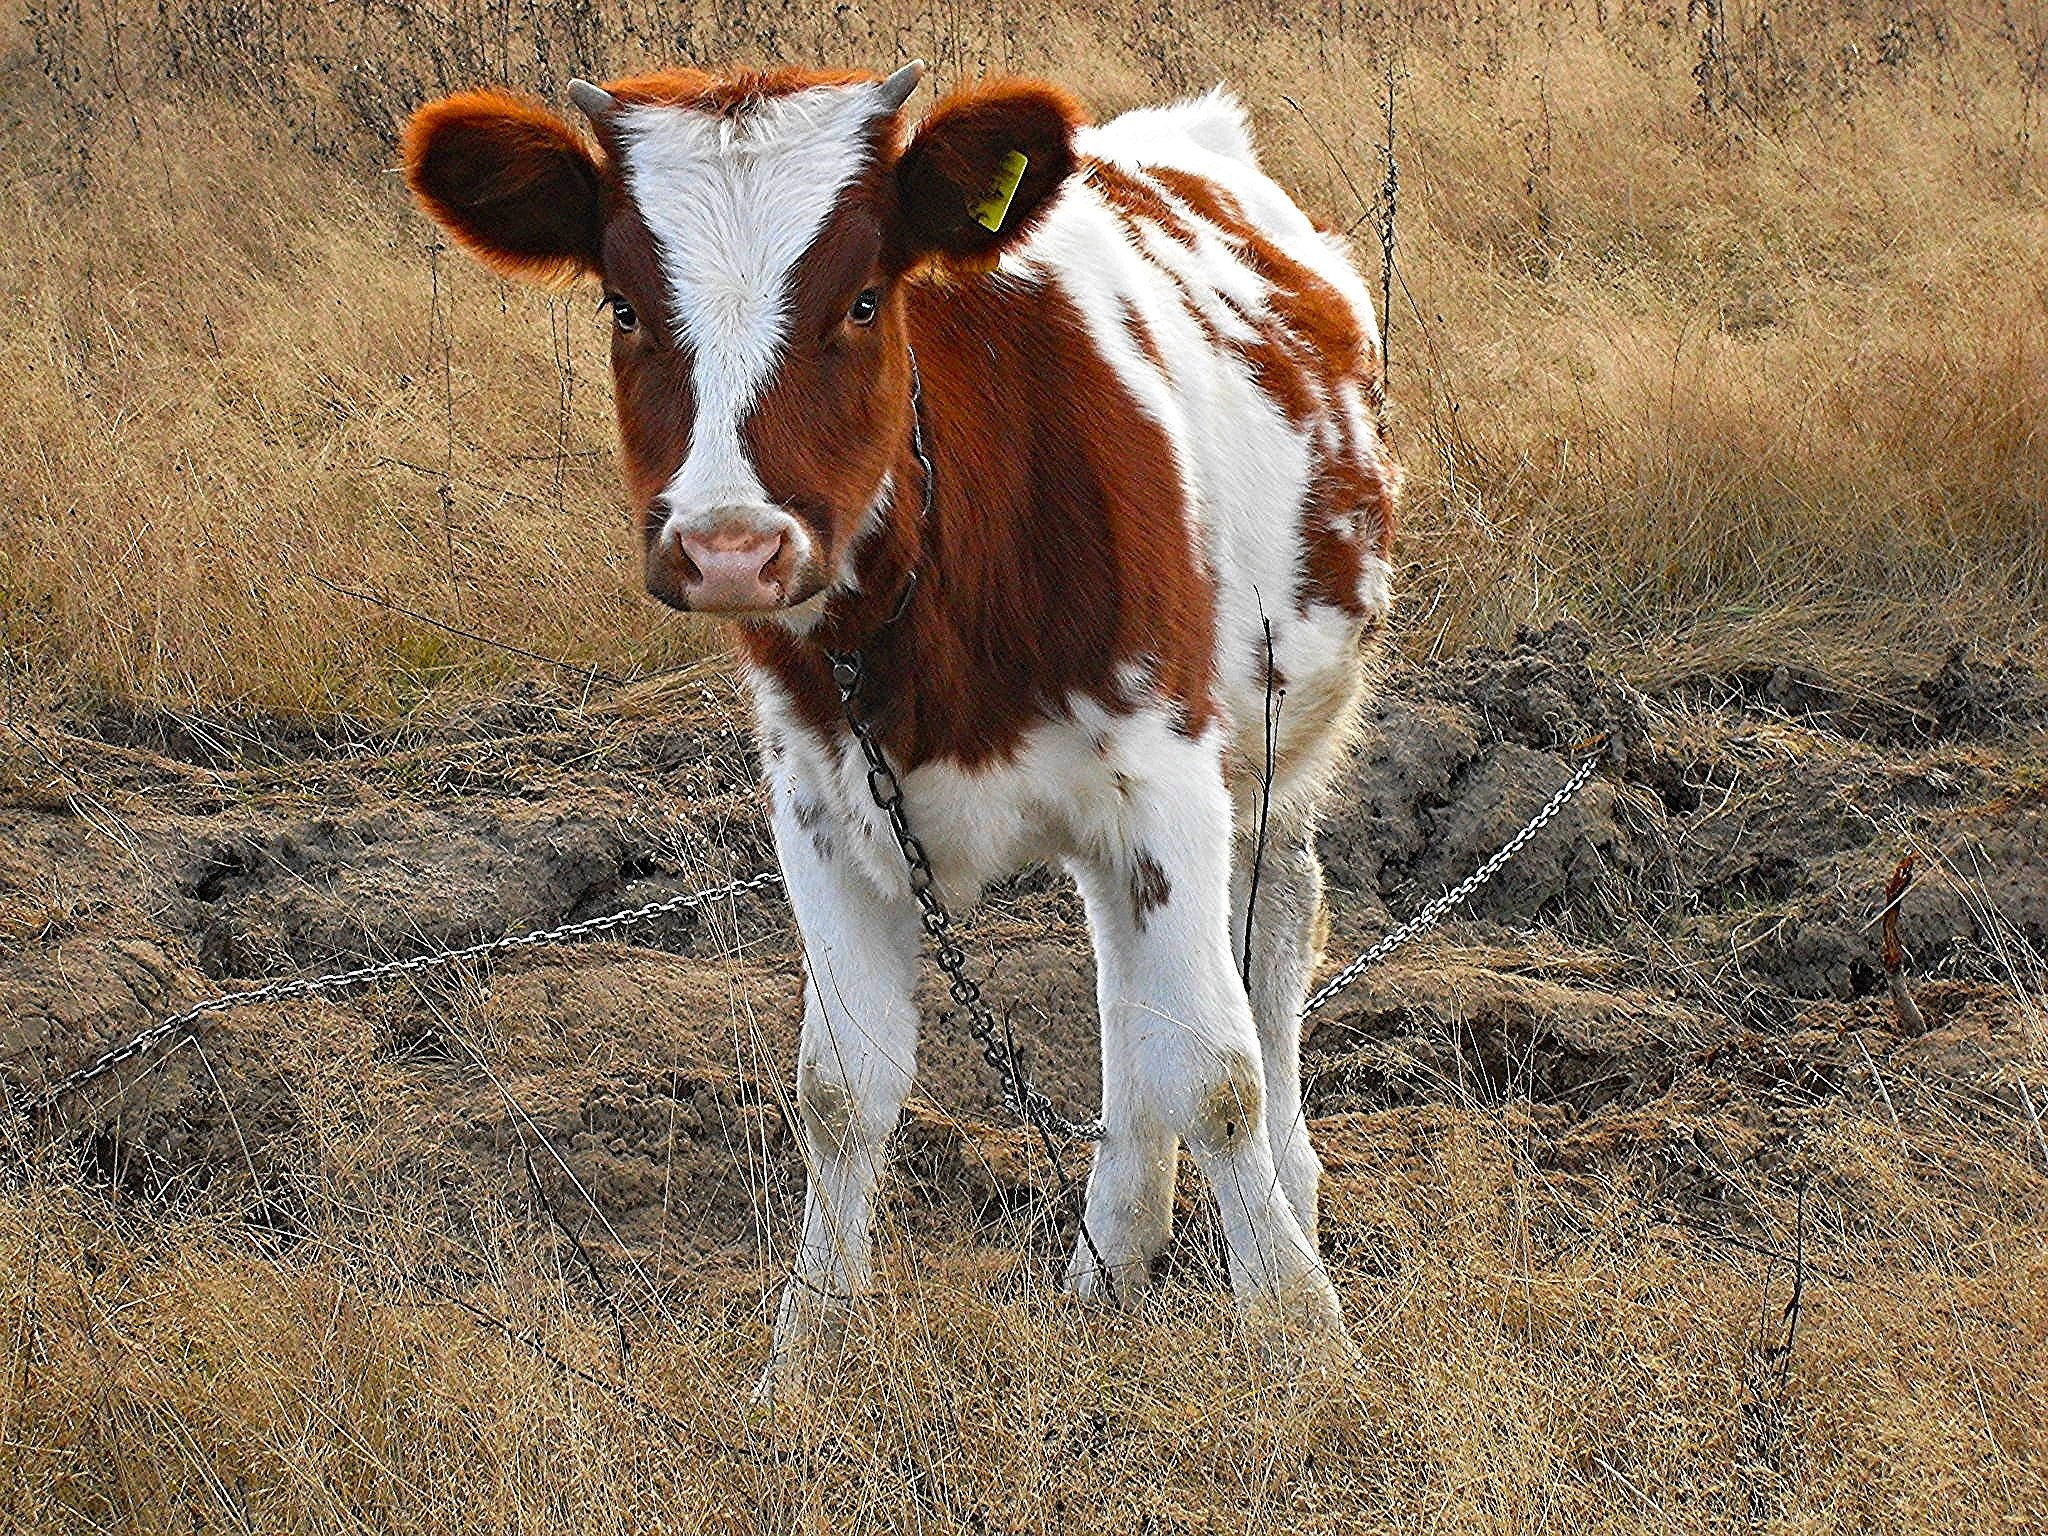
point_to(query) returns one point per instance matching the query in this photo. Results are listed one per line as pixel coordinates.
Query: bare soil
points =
(1676, 980)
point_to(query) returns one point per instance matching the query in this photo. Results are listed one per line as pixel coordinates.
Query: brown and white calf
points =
(1150, 400)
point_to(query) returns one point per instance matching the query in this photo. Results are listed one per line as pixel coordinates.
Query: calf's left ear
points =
(510, 181)
(982, 169)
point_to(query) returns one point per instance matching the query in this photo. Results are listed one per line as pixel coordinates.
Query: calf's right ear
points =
(510, 181)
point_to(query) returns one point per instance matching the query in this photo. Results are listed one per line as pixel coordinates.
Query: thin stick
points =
(1251, 895)
(1795, 1305)
(1894, 952)
(1389, 203)
(1877, 1081)
(583, 1253)
(2034, 1119)
(675, 1427)
(439, 333)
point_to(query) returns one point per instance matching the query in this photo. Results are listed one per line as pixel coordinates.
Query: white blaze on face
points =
(733, 203)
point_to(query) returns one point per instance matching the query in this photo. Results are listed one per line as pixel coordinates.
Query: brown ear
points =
(959, 165)
(510, 181)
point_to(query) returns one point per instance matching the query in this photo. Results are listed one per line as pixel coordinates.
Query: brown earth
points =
(1676, 980)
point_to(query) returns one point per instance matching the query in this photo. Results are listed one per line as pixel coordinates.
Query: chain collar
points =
(927, 493)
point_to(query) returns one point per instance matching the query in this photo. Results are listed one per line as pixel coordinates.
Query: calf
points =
(1073, 430)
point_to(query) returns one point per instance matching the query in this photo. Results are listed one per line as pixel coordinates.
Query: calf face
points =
(752, 235)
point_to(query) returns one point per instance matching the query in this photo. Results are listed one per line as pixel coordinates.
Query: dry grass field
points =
(1718, 330)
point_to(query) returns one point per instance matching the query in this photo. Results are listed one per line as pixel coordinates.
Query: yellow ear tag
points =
(990, 212)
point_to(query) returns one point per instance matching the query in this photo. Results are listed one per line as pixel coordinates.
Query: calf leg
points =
(1287, 928)
(1181, 1052)
(1129, 1213)
(855, 1061)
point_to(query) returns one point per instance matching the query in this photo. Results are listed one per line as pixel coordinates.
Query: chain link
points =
(1457, 895)
(280, 991)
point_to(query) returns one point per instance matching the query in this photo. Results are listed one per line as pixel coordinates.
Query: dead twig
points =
(1272, 737)
(577, 1245)
(1387, 208)
(490, 1321)
(1765, 1393)
(1894, 953)
(2034, 1120)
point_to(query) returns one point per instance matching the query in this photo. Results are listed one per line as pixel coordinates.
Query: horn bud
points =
(897, 88)
(594, 102)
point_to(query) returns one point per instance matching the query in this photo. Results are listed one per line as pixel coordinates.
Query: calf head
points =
(754, 236)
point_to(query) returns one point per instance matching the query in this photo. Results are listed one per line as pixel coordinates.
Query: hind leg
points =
(1287, 929)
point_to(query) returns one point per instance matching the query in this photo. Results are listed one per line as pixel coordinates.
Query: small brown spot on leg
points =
(1149, 888)
(826, 1107)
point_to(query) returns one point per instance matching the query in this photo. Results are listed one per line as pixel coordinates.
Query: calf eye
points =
(865, 306)
(622, 313)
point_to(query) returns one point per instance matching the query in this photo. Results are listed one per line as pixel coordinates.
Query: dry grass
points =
(1539, 1353)
(1726, 331)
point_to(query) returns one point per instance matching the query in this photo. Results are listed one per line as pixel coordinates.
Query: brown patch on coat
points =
(730, 95)
(1057, 496)
(1150, 889)
(1142, 338)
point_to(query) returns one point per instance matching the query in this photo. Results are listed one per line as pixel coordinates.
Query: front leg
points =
(855, 1062)
(1182, 1057)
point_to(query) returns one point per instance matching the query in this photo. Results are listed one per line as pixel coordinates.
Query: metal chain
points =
(997, 1051)
(1023, 1099)
(849, 669)
(279, 991)
(1434, 913)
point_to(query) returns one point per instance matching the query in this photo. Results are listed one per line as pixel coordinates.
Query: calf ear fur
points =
(960, 173)
(510, 181)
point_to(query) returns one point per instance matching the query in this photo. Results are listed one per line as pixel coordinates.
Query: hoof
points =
(1113, 1286)
(810, 1330)
(1299, 1325)
(783, 1380)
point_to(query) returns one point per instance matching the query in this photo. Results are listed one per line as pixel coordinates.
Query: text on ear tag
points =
(991, 210)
